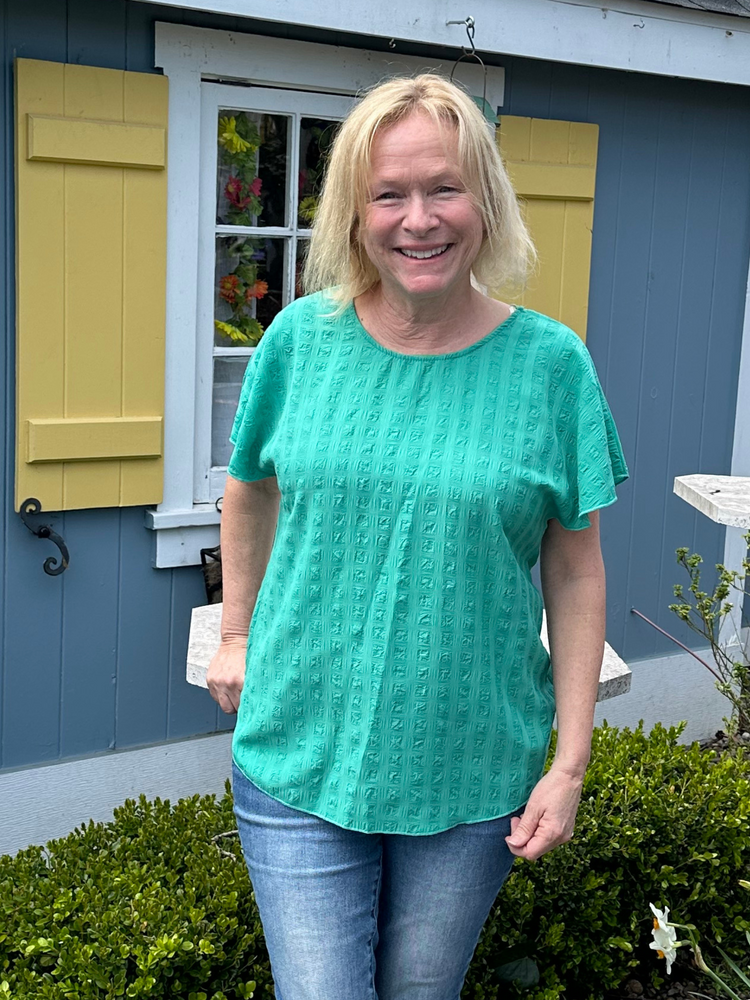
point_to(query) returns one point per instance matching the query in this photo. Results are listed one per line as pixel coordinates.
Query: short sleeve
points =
(592, 463)
(259, 410)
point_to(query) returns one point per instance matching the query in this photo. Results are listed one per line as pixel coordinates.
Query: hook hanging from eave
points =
(471, 53)
(470, 27)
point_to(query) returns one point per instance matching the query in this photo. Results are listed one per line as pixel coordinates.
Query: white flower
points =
(665, 941)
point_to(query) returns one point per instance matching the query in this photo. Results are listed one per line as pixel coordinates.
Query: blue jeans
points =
(367, 916)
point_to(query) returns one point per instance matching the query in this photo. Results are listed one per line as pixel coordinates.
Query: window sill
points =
(181, 534)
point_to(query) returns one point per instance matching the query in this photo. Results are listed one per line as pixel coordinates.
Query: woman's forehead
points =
(416, 136)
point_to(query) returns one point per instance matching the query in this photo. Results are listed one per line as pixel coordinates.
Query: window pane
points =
(315, 141)
(302, 248)
(252, 169)
(249, 287)
(228, 374)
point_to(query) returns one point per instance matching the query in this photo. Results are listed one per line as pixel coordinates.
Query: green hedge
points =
(155, 905)
(144, 906)
(659, 822)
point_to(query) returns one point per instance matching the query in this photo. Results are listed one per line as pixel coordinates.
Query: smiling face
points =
(422, 229)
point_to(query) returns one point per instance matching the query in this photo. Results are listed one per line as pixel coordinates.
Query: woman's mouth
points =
(424, 254)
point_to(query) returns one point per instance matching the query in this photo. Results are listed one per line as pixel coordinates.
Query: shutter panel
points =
(91, 190)
(553, 168)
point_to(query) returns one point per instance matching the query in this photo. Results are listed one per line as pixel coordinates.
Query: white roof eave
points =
(632, 35)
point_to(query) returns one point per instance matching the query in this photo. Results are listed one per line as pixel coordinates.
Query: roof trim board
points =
(637, 35)
(734, 8)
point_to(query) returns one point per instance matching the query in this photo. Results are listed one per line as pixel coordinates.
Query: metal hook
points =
(471, 54)
(470, 26)
(51, 565)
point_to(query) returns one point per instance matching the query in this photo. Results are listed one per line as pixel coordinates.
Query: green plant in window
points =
(239, 141)
(307, 208)
(311, 178)
(240, 289)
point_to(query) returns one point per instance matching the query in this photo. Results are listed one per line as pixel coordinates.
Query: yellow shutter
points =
(91, 190)
(553, 168)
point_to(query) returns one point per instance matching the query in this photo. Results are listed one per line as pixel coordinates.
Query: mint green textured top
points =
(396, 681)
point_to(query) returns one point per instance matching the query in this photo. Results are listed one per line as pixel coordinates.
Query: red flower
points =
(234, 193)
(255, 187)
(228, 288)
(258, 290)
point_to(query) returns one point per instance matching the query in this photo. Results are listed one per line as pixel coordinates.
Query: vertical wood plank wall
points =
(94, 660)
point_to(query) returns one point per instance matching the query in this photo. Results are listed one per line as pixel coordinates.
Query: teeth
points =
(422, 254)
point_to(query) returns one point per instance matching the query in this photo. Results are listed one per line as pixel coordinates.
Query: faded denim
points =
(367, 916)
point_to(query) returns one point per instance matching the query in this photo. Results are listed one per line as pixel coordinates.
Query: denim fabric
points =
(367, 916)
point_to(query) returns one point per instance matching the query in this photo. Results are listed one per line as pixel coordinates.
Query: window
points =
(292, 94)
(263, 156)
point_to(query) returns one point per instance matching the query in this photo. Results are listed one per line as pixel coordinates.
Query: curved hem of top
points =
(357, 829)
(351, 309)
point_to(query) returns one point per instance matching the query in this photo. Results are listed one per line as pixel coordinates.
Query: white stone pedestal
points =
(204, 641)
(726, 500)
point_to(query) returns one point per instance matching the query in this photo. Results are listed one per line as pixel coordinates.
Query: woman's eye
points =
(385, 195)
(446, 189)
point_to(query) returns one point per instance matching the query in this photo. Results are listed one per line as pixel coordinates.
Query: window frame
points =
(188, 56)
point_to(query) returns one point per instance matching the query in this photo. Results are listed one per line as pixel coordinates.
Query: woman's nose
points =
(419, 217)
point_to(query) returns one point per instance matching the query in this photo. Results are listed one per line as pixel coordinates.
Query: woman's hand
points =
(549, 817)
(248, 523)
(226, 674)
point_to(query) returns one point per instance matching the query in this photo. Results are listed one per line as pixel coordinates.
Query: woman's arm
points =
(248, 523)
(574, 591)
(574, 595)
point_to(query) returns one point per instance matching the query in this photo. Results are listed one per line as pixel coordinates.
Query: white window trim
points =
(189, 55)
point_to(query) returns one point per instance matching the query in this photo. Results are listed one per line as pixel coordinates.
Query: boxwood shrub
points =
(158, 904)
(659, 822)
(149, 905)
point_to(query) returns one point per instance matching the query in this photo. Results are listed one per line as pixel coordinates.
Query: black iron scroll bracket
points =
(52, 566)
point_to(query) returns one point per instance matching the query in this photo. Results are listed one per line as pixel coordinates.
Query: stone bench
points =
(614, 678)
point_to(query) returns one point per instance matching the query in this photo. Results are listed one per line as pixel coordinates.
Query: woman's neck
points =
(433, 326)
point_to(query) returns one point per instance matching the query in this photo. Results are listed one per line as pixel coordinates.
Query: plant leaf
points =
(733, 966)
(524, 972)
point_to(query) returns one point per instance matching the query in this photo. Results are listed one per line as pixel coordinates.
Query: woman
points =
(405, 446)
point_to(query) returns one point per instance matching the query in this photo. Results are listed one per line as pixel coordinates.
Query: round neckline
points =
(432, 357)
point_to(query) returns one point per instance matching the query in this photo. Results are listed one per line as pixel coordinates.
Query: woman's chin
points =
(430, 286)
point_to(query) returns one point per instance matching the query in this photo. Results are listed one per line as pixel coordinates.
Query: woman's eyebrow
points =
(399, 180)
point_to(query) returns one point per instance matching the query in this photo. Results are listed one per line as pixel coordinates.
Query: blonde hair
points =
(336, 258)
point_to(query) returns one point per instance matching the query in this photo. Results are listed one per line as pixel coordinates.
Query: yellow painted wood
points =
(40, 280)
(553, 180)
(552, 165)
(514, 136)
(549, 141)
(84, 440)
(144, 266)
(91, 248)
(81, 140)
(583, 144)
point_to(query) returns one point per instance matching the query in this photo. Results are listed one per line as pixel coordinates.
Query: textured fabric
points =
(396, 681)
(405, 912)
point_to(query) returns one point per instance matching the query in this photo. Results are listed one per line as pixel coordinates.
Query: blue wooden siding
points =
(668, 273)
(95, 659)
